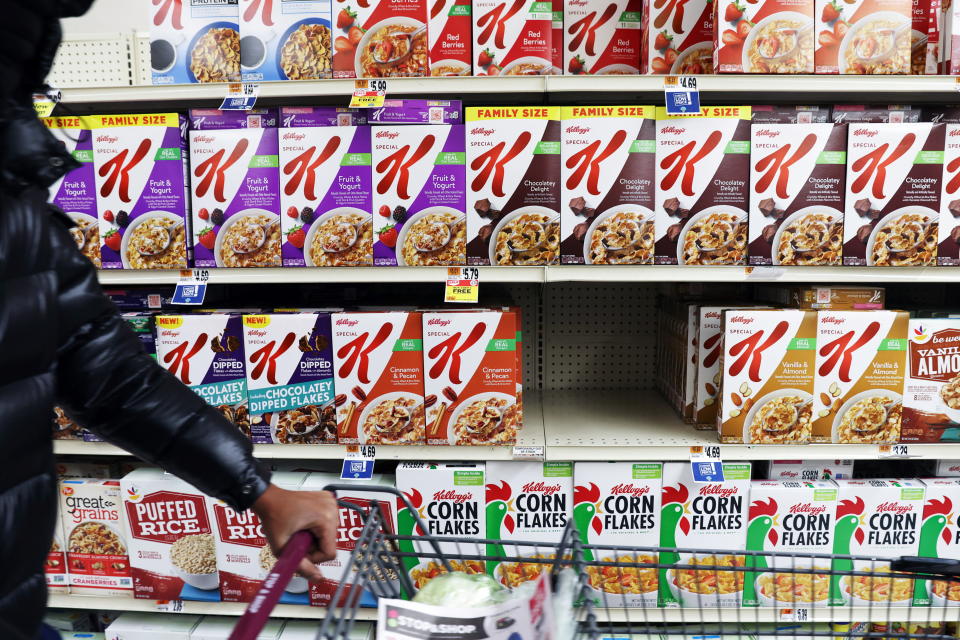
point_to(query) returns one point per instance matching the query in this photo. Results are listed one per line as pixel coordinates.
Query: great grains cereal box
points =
(289, 360)
(863, 36)
(55, 566)
(677, 37)
(169, 537)
(380, 39)
(607, 187)
(703, 516)
(378, 364)
(140, 163)
(512, 38)
(703, 165)
(194, 41)
(939, 538)
(775, 36)
(894, 173)
(513, 176)
(767, 368)
(931, 390)
(618, 504)
(602, 42)
(450, 38)
(470, 366)
(858, 385)
(809, 469)
(91, 513)
(878, 518)
(285, 40)
(796, 517)
(324, 189)
(419, 195)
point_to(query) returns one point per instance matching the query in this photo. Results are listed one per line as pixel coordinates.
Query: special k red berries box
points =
(513, 190)
(512, 38)
(863, 36)
(775, 36)
(450, 38)
(894, 172)
(602, 42)
(378, 367)
(607, 187)
(380, 39)
(703, 166)
(470, 364)
(677, 37)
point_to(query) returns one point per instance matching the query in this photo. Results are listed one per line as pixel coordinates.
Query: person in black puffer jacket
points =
(62, 341)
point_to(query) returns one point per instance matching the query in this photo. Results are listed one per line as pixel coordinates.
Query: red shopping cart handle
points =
(252, 621)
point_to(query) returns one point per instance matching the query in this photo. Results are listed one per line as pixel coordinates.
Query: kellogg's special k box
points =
(372, 39)
(285, 40)
(603, 42)
(775, 36)
(948, 251)
(194, 41)
(512, 38)
(450, 38)
(677, 37)
(853, 37)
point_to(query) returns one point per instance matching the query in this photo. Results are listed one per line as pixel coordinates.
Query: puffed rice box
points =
(91, 513)
(931, 390)
(285, 40)
(195, 41)
(809, 469)
(602, 42)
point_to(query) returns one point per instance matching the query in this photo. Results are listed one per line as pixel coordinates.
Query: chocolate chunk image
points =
(863, 233)
(955, 235)
(954, 208)
(768, 232)
(482, 207)
(580, 230)
(304, 344)
(779, 214)
(485, 232)
(215, 345)
(862, 207)
(683, 214)
(671, 206)
(233, 343)
(577, 205)
(767, 206)
(673, 232)
(873, 214)
(589, 213)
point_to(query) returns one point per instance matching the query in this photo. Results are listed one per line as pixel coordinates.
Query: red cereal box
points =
(512, 37)
(372, 39)
(449, 34)
(602, 42)
(773, 36)
(677, 37)
(863, 36)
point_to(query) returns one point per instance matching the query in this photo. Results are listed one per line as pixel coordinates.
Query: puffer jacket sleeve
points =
(108, 384)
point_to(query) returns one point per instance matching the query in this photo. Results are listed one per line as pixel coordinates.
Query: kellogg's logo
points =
(347, 322)
(493, 162)
(117, 170)
(304, 168)
(808, 508)
(107, 138)
(481, 131)
(867, 133)
(440, 322)
(718, 490)
(541, 487)
(212, 170)
(894, 507)
(766, 133)
(397, 165)
(577, 129)
(629, 489)
(203, 138)
(293, 135)
(390, 135)
(451, 495)
(676, 131)
(740, 319)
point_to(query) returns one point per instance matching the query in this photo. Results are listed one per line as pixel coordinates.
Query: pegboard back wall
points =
(101, 60)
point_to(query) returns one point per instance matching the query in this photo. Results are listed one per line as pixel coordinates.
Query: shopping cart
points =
(616, 589)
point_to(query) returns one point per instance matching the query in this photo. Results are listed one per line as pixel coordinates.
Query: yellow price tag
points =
(44, 107)
(463, 284)
(369, 94)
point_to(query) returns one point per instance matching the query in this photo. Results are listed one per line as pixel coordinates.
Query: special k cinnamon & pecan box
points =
(607, 188)
(602, 42)
(858, 387)
(708, 375)
(513, 190)
(775, 36)
(512, 37)
(894, 173)
(378, 364)
(450, 37)
(854, 37)
(703, 165)
(370, 39)
(931, 390)
(470, 368)
(677, 37)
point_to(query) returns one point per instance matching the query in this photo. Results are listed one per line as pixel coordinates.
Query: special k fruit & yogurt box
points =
(235, 188)
(140, 162)
(863, 36)
(677, 37)
(603, 42)
(324, 190)
(194, 41)
(931, 390)
(703, 165)
(450, 37)
(512, 38)
(285, 40)
(774, 36)
(380, 39)
(513, 191)
(607, 185)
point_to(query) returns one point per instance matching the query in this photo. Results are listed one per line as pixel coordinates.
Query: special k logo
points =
(872, 167)
(396, 167)
(169, 8)
(682, 164)
(840, 352)
(303, 168)
(178, 358)
(584, 30)
(670, 8)
(264, 359)
(586, 162)
(749, 351)
(953, 172)
(211, 171)
(492, 163)
(265, 7)
(494, 23)
(116, 170)
(356, 353)
(777, 165)
(450, 352)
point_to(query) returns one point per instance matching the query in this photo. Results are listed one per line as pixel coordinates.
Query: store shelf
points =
(333, 274)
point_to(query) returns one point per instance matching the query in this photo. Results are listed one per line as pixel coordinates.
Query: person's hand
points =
(282, 513)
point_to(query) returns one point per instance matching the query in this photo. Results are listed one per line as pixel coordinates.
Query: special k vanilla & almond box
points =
(513, 190)
(774, 36)
(677, 37)
(603, 42)
(863, 36)
(703, 166)
(379, 368)
(607, 185)
(512, 38)
(450, 36)
(380, 39)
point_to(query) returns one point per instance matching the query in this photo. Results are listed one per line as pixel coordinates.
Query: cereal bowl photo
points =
(393, 418)
(215, 54)
(304, 51)
(485, 418)
(783, 416)
(427, 570)
(950, 399)
(297, 584)
(527, 66)
(86, 235)
(871, 417)
(449, 68)
(809, 236)
(775, 35)
(868, 590)
(905, 237)
(194, 561)
(622, 234)
(513, 574)
(613, 70)
(944, 593)
(436, 236)
(340, 237)
(154, 240)
(527, 236)
(249, 238)
(704, 586)
(309, 424)
(616, 584)
(870, 36)
(716, 235)
(384, 41)
(778, 589)
(696, 60)
(96, 538)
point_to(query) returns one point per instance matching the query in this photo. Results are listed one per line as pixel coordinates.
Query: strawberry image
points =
(203, 214)
(384, 211)
(296, 236)
(342, 45)
(731, 38)
(345, 18)
(485, 58)
(108, 215)
(733, 12)
(112, 240)
(670, 55)
(576, 65)
(831, 12)
(662, 41)
(355, 35)
(207, 238)
(388, 236)
(493, 70)
(827, 39)
(659, 65)
(743, 29)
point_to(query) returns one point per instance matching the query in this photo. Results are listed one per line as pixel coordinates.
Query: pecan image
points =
(429, 401)
(358, 393)
(450, 394)
(339, 399)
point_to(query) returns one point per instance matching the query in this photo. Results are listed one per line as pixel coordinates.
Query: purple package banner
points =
(416, 112)
(321, 117)
(419, 196)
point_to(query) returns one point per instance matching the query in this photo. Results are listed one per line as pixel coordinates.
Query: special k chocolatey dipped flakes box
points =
(513, 185)
(602, 41)
(607, 185)
(863, 36)
(702, 193)
(893, 194)
(677, 37)
(773, 36)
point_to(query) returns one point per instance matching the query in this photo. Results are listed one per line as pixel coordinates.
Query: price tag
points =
(361, 451)
(170, 606)
(705, 464)
(681, 95)
(764, 273)
(463, 284)
(894, 451)
(44, 103)
(369, 94)
(357, 469)
(794, 615)
(241, 96)
(528, 452)
(154, 301)
(192, 287)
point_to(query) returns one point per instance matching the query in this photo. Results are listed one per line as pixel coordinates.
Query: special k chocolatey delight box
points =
(602, 42)
(703, 166)
(677, 37)
(863, 36)
(513, 190)
(512, 37)
(894, 173)
(607, 188)
(772, 36)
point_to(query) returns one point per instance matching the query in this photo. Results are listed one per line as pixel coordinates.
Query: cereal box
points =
(931, 390)
(607, 186)
(602, 42)
(235, 188)
(924, 37)
(775, 36)
(140, 163)
(863, 36)
(378, 361)
(556, 37)
(321, 117)
(75, 192)
(513, 173)
(939, 537)
(703, 162)
(55, 566)
(324, 192)
(419, 195)
(892, 113)
(708, 373)
(703, 516)
(289, 358)
(91, 515)
(796, 193)
(948, 251)
(878, 518)
(836, 297)
(860, 365)
(618, 504)
(150, 626)
(449, 32)
(307, 630)
(169, 537)
(809, 469)
(512, 38)
(948, 468)
(243, 556)
(767, 366)
(893, 194)
(788, 114)
(450, 499)
(411, 111)
(677, 37)
(690, 362)
(194, 41)
(470, 363)
(526, 501)
(285, 40)
(220, 628)
(796, 517)
(380, 39)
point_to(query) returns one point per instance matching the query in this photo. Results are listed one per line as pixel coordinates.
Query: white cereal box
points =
(364, 31)
(307, 630)
(948, 468)
(795, 517)
(512, 39)
(840, 26)
(618, 504)
(948, 252)
(677, 38)
(220, 628)
(450, 35)
(690, 361)
(703, 516)
(285, 40)
(931, 390)
(151, 626)
(706, 396)
(774, 36)
(939, 538)
(96, 545)
(809, 469)
(858, 385)
(170, 538)
(603, 42)
(194, 41)
(55, 566)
